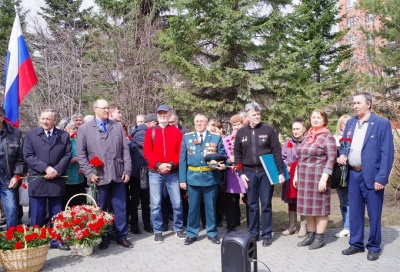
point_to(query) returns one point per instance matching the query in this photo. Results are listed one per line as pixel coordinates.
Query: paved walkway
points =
(173, 255)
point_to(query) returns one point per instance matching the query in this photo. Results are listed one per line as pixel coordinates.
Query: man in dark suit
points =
(47, 151)
(369, 161)
(200, 181)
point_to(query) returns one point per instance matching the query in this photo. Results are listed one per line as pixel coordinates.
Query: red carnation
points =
(239, 166)
(9, 235)
(73, 135)
(341, 140)
(289, 144)
(348, 139)
(18, 245)
(43, 235)
(24, 186)
(19, 178)
(96, 162)
(20, 229)
(28, 238)
(93, 216)
(186, 196)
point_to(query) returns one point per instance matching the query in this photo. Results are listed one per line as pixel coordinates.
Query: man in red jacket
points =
(161, 149)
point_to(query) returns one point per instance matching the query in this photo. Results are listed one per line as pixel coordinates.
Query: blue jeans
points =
(9, 198)
(344, 206)
(157, 182)
(259, 191)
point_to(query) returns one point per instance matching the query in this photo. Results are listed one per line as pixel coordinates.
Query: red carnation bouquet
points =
(96, 163)
(21, 236)
(82, 225)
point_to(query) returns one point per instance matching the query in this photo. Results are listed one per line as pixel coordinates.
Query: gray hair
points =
(53, 111)
(252, 106)
(70, 125)
(63, 123)
(76, 115)
(88, 118)
(368, 97)
(96, 103)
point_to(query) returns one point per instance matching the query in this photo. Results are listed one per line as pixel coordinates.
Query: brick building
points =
(355, 21)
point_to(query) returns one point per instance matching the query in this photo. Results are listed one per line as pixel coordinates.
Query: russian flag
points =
(19, 76)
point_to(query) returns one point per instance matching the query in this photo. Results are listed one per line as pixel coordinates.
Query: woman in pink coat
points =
(234, 184)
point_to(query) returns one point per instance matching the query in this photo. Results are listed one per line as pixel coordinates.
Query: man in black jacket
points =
(252, 141)
(11, 165)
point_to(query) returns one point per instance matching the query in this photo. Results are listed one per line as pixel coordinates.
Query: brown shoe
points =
(125, 243)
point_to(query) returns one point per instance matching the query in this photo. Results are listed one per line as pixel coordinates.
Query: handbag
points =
(24, 193)
(337, 176)
(144, 177)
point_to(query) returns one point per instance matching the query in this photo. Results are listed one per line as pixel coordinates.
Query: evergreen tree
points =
(384, 52)
(7, 16)
(306, 72)
(219, 47)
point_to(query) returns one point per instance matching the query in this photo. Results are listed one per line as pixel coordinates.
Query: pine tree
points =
(384, 52)
(306, 71)
(218, 46)
(7, 16)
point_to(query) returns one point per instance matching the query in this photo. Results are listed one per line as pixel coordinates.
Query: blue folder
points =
(271, 169)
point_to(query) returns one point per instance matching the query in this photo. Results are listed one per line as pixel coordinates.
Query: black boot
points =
(318, 242)
(308, 240)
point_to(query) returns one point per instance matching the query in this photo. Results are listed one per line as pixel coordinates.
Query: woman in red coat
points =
(316, 158)
(289, 193)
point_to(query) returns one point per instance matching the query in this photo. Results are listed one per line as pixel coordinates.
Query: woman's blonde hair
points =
(341, 120)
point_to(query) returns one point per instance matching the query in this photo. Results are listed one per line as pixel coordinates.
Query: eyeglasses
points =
(103, 108)
(171, 122)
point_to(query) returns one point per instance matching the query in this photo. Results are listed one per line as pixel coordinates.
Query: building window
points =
(352, 41)
(351, 21)
(369, 18)
(351, 3)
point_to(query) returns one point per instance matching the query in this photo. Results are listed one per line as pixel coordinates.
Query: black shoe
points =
(318, 242)
(190, 240)
(308, 240)
(104, 244)
(125, 243)
(64, 247)
(214, 240)
(136, 231)
(266, 242)
(165, 227)
(351, 250)
(148, 229)
(372, 256)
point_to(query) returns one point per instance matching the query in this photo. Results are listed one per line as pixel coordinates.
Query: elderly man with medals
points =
(201, 160)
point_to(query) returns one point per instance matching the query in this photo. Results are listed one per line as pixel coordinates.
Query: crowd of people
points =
(199, 177)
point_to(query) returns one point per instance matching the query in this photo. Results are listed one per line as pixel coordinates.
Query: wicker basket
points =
(21, 260)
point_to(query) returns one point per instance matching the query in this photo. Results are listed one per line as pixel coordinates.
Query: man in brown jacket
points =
(105, 139)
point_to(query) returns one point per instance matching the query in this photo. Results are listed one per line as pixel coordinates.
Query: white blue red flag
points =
(19, 77)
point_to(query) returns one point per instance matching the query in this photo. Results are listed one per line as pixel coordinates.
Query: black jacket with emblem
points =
(12, 142)
(251, 143)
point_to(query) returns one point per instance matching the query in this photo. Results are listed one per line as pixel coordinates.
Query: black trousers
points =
(232, 210)
(133, 195)
(70, 191)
